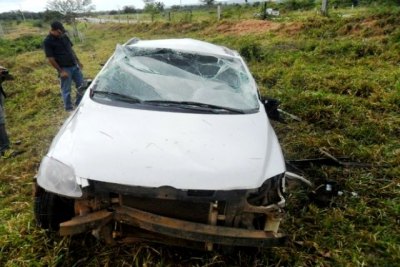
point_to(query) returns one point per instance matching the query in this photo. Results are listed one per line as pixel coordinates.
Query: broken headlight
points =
(58, 178)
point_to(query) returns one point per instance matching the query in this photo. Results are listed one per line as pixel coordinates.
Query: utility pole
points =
(324, 7)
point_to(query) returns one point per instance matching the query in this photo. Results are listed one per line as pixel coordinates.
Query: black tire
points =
(51, 209)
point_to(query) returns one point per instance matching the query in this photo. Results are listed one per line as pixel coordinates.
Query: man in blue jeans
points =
(5, 151)
(59, 52)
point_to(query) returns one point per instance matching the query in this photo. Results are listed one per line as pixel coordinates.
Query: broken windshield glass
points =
(150, 74)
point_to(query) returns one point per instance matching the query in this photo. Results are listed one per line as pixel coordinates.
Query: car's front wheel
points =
(51, 209)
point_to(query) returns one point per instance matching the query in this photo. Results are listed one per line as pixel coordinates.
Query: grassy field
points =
(339, 74)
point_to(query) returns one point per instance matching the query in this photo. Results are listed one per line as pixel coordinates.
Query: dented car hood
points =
(153, 148)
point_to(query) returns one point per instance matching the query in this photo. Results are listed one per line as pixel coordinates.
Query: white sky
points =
(40, 5)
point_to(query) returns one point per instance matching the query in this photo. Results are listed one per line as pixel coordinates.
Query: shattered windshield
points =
(153, 76)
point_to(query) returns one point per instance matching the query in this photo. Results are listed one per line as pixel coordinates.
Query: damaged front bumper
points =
(196, 219)
(100, 222)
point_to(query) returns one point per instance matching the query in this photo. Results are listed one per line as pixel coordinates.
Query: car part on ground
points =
(330, 160)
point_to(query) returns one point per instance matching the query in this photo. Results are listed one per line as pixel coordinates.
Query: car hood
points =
(154, 148)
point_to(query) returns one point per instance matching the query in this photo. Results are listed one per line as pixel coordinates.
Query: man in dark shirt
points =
(4, 142)
(59, 52)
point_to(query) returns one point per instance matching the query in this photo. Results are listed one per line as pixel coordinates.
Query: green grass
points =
(339, 74)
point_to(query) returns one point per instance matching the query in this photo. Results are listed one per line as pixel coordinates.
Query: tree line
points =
(68, 9)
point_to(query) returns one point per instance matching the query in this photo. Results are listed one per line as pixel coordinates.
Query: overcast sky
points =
(40, 5)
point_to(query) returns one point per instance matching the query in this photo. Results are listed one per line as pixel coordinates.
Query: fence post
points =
(1, 31)
(324, 7)
(219, 12)
(264, 15)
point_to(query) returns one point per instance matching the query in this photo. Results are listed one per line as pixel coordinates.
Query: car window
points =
(164, 74)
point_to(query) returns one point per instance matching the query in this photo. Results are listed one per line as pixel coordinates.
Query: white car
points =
(171, 143)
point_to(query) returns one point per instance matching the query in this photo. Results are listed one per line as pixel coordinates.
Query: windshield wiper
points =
(196, 106)
(114, 95)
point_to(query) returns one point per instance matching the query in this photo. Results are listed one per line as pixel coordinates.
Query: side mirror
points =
(5, 75)
(85, 85)
(271, 107)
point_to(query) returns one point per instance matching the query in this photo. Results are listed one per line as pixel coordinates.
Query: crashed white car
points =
(170, 144)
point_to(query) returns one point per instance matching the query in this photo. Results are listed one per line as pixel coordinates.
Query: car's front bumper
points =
(170, 228)
(117, 213)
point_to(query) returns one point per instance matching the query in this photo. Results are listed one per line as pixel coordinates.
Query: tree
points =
(208, 2)
(49, 15)
(159, 6)
(128, 9)
(70, 9)
(153, 8)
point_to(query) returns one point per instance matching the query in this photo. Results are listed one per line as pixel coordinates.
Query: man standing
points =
(4, 142)
(59, 52)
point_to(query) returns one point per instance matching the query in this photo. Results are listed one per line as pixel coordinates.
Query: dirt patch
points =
(248, 27)
(254, 27)
(292, 28)
(186, 27)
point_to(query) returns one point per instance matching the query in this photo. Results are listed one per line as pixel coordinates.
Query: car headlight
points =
(58, 178)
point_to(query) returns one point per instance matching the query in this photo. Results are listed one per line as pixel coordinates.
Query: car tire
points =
(51, 209)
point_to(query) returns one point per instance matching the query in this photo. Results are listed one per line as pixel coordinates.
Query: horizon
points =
(100, 5)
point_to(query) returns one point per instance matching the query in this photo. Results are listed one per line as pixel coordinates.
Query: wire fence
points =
(231, 12)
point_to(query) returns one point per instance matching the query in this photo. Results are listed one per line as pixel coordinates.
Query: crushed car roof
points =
(185, 44)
